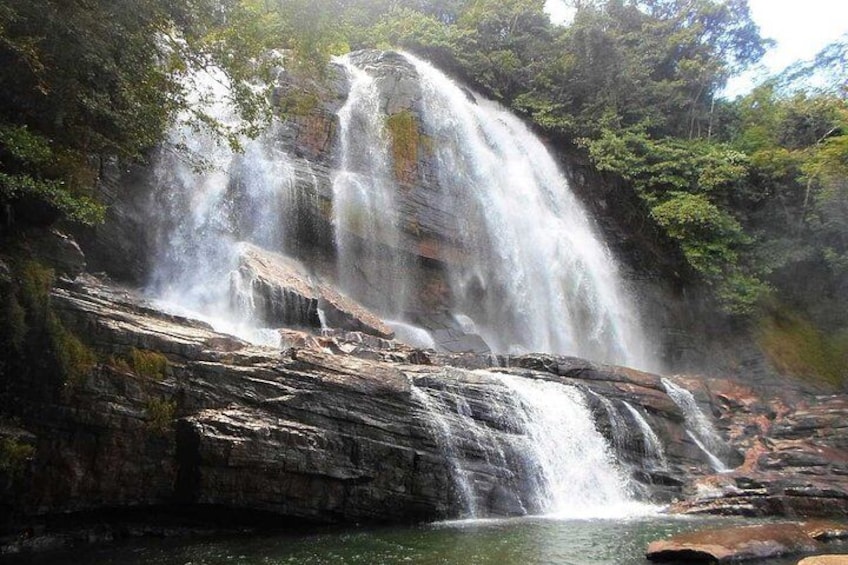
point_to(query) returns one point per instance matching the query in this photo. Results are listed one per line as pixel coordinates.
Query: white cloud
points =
(801, 29)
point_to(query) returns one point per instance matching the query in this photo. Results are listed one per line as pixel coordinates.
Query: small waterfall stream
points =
(700, 429)
(652, 445)
(364, 209)
(209, 198)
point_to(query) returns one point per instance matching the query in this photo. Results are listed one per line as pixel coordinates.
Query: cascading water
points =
(203, 209)
(536, 276)
(652, 445)
(533, 276)
(700, 429)
(618, 427)
(529, 445)
(364, 212)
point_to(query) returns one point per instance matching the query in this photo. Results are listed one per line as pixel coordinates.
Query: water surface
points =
(503, 542)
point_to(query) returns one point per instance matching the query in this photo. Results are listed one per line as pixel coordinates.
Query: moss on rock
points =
(405, 138)
(796, 347)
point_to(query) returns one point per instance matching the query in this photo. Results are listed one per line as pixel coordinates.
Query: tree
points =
(86, 80)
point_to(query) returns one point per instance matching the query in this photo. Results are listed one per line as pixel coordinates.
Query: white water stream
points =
(529, 441)
(700, 428)
(208, 198)
(652, 444)
(364, 209)
(534, 277)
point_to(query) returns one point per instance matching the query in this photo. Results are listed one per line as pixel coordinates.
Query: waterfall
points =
(412, 335)
(536, 277)
(209, 197)
(652, 445)
(618, 427)
(533, 276)
(518, 445)
(699, 428)
(529, 274)
(370, 266)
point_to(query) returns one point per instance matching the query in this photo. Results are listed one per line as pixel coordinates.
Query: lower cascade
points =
(523, 446)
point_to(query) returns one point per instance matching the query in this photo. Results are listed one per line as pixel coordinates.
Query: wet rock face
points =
(305, 434)
(58, 251)
(326, 429)
(280, 292)
(793, 444)
(400, 88)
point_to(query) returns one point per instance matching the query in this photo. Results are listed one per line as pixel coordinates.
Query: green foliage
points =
(74, 359)
(657, 165)
(15, 319)
(160, 414)
(42, 354)
(14, 456)
(36, 280)
(119, 363)
(411, 29)
(707, 234)
(310, 32)
(297, 103)
(81, 209)
(86, 81)
(148, 364)
(796, 195)
(688, 186)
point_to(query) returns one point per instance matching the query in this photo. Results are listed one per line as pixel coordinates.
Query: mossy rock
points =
(405, 138)
(148, 364)
(796, 347)
(160, 414)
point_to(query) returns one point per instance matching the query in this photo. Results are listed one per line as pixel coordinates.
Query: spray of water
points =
(209, 197)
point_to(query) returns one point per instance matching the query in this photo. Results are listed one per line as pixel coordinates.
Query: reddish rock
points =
(825, 560)
(734, 544)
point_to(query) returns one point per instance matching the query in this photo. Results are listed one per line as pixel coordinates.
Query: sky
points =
(801, 29)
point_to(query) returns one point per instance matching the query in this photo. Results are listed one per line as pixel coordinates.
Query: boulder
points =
(281, 292)
(794, 446)
(727, 545)
(825, 560)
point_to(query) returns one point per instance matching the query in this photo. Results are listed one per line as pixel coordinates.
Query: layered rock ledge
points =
(327, 429)
(746, 543)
